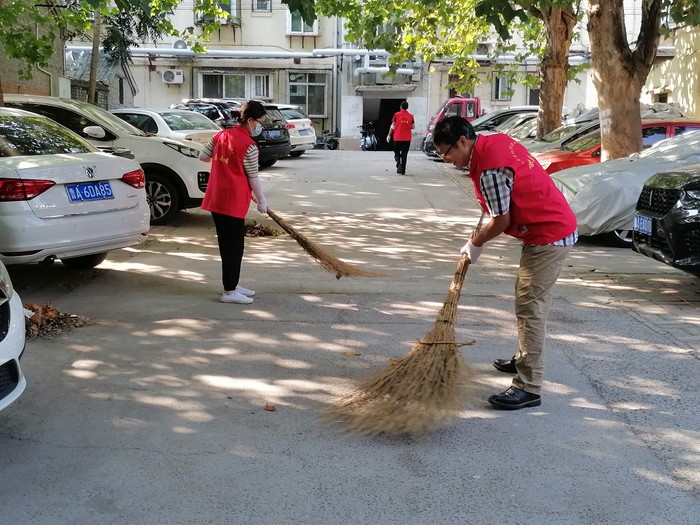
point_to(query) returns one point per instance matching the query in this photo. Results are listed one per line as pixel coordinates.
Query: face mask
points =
(257, 130)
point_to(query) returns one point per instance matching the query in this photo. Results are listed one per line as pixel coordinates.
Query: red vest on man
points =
(228, 191)
(539, 213)
(403, 124)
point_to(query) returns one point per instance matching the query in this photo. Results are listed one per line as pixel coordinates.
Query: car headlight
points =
(693, 194)
(5, 283)
(185, 150)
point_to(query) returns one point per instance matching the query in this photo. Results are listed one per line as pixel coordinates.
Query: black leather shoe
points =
(515, 398)
(506, 366)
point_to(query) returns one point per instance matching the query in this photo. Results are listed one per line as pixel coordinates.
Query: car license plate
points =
(304, 132)
(642, 224)
(274, 134)
(89, 191)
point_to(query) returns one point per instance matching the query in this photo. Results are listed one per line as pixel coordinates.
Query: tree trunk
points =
(94, 58)
(554, 67)
(619, 73)
(2, 93)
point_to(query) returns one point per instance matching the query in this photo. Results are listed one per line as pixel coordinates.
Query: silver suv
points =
(175, 177)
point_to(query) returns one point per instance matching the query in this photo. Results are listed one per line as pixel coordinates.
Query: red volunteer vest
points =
(228, 191)
(539, 213)
(403, 124)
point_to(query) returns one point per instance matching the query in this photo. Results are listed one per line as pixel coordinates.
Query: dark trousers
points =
(230, 232)
(401, 148)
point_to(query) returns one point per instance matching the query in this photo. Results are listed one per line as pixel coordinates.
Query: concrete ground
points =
(154, 413)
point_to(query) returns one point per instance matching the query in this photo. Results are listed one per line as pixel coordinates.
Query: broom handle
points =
(449, 308)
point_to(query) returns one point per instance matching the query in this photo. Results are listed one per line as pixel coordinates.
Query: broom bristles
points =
(325, 259)
(419, 393)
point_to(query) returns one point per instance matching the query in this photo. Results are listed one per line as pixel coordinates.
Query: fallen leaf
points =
(394, 362)
(270, 408)
(352, 354)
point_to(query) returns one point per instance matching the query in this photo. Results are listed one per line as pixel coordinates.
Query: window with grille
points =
(262, 6)
(297, 26)
(501, 88)
(308, 90)
(236, 85)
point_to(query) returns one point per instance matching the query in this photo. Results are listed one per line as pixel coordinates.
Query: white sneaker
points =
(235, 297)
(245, 291)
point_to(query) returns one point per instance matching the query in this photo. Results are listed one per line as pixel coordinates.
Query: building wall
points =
(676, 80)
(42, 78)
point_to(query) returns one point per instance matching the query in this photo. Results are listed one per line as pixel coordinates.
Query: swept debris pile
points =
(253, 229)
(46, 320)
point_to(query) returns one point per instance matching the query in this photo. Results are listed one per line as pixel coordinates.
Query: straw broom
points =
(325, 259)
(422, 390)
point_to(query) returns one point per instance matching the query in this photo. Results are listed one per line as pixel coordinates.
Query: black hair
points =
(404, 105)
(252, 109)
(449, 129)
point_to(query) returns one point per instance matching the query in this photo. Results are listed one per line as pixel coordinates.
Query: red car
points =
(586, 149)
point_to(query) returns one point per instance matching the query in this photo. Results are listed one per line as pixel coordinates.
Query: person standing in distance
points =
(402, 124)
(523, 202)
(233, 182)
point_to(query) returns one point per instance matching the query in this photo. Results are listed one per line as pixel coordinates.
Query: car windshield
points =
(526, 130)
(38, 136)
(293, 114)
(187, 121)
(274, 115)
(586, 142)
(688, 143)
(561, 132)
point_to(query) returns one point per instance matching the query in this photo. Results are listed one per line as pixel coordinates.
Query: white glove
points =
(262, 207)
(388, 138)
(471, 251)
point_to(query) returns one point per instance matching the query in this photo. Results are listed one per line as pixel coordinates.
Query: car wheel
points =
(266, 164)
(296, 153)
(620, 238)
(84, 262)
(163, 198)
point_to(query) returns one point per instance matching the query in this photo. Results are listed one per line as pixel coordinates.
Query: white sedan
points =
(603, 196)
(302, 134)
(12, 381)
(60, 198)
(174, 123)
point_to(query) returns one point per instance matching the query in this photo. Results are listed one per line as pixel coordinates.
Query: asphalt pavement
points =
(155, 412)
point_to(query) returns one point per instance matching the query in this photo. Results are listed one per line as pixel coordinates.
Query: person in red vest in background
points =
(402, 124)
(234, 177)
(523, 202)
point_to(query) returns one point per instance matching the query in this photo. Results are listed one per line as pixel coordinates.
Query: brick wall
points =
(40, 83)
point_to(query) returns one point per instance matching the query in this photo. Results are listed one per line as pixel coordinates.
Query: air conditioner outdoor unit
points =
(173, 76)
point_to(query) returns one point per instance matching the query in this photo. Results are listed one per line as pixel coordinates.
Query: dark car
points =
(667, 218)
(484, 123)
(273, 142)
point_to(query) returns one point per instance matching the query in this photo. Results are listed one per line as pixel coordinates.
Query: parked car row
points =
(487, 122)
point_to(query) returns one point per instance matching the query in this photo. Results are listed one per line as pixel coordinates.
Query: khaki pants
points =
(539, 270)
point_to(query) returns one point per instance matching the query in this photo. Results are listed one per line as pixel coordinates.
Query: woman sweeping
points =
(234, 173)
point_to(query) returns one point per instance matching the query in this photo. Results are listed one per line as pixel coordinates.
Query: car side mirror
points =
(94, 132)
(596, 153)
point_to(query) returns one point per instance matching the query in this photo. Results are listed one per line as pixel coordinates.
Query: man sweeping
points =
(523, 202)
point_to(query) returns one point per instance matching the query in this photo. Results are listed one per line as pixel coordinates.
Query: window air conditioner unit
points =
(173, 76)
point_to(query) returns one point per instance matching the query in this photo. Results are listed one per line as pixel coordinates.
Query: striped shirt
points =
(250, 161)
(496, 186)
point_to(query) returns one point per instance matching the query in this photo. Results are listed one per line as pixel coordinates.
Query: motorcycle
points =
(328, 139)
(368, 139)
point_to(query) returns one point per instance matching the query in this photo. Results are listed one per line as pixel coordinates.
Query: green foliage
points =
(19, 37)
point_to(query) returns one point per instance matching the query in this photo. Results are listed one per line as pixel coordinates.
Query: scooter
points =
(329, 140)
(368, 140)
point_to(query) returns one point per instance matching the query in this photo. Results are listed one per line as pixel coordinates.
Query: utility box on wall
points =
(60, 87)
